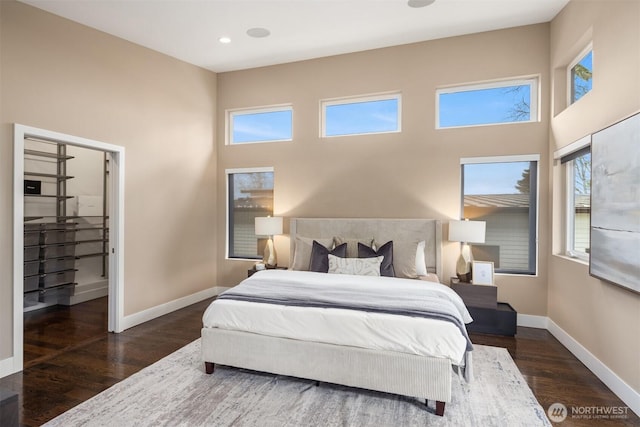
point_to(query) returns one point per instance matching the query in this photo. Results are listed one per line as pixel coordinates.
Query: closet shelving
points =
(50, 240)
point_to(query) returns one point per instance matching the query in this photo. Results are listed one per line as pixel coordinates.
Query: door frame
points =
(115, 154)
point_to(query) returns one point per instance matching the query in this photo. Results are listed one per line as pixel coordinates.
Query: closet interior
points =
(66, 226)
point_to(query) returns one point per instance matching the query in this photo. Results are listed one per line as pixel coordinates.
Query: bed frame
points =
(422, 377)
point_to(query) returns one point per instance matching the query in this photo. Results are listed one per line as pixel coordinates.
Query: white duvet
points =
(376, 331)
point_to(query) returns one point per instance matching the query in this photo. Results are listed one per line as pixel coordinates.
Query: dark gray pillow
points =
(386, 250)
(320, 256)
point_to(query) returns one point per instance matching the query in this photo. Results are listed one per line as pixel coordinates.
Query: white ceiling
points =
(300, 29)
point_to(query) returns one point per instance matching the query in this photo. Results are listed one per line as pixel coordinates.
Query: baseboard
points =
(531, 321)
(617, 385)
(88, 292)
(6, 367)
(166, 308)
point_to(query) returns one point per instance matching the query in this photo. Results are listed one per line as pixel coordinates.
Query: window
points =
(362, 115)
(578, 209)
(269, 124)
(580, 73)
(510, 101)
(503, 193)
(250, 194)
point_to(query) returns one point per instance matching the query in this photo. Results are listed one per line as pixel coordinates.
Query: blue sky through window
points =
(493, 178)
(262, 126)
(582, 85)
(485, 106)
(362, 117)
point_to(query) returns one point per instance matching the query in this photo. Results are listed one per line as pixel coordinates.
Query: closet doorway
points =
(79, 236)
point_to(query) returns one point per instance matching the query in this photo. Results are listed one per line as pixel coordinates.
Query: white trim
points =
(574, 146)
(501, 159)
(533, 321)
(617, 385)
(160, 310)
(116, 241)
(533, 81)
(227, 172)
(6, 367)
(356, 99)
(231, 113)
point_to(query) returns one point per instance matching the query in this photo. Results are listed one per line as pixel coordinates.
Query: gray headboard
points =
(383, 230)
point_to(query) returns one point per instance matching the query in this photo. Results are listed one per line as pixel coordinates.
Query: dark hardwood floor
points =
(69, 357)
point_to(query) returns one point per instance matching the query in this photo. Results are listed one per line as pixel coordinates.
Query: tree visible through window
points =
(509, 101)
(578, 173)
(581, 74)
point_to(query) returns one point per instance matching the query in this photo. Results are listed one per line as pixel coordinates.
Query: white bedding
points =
(377, 331)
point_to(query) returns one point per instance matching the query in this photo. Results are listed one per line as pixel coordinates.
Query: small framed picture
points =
(482, 273)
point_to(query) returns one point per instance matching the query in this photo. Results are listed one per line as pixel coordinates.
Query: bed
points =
(349, 329)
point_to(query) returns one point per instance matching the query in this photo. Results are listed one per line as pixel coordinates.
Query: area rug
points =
(175, 391)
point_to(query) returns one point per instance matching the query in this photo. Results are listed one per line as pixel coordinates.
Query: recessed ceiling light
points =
(258, 32)
(224, 40)
(419, 3)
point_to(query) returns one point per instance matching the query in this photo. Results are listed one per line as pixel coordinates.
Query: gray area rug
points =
(175, 391)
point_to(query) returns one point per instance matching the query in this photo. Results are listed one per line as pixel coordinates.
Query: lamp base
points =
(464, 278)
(269, 257)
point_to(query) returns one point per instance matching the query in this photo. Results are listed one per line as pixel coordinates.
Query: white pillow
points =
(356, 266)
(421, 263)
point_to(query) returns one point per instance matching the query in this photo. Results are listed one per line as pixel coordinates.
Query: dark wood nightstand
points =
(253, 270)
(489, 315)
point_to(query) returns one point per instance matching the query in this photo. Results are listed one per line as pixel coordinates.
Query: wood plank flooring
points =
(69, 358)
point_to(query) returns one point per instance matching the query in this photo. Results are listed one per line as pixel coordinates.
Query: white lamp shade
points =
(467, 231)
(268, 226)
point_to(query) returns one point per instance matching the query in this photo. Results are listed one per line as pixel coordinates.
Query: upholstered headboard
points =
(383, 230)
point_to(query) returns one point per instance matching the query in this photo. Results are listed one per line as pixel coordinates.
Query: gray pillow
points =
(320, 256)
(302, 252)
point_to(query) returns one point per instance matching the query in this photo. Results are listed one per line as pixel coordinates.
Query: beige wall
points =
(602, 317)
(61, 76)
(415, 173)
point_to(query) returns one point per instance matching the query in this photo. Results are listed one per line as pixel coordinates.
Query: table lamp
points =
(466, 232)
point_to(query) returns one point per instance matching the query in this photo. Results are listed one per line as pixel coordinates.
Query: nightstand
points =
(489, 315)
(253, 270)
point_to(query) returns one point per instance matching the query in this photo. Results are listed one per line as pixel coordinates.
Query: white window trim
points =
(572, 64)
(569, 199)
(507, 159)
(228, 172)
(230, 113)
(383, 96)
(533, 81)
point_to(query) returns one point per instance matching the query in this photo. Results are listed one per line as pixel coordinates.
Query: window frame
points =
(231, 113)
(534, 217)
(383, 96)
(533, 81)
(566, 157)
(570, 89)
(228, 172)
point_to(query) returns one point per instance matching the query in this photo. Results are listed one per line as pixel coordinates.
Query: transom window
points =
(508, 101)
(268, 124)
(502, 191)
(580, 74)
(250, 195)
(361, 115)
